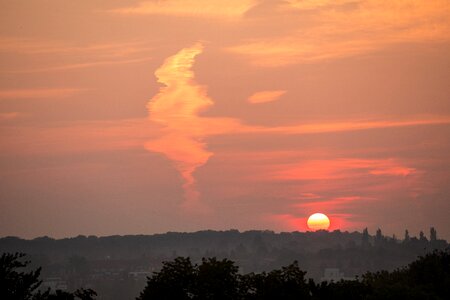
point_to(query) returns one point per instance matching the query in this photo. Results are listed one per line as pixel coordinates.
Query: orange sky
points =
(183, 115)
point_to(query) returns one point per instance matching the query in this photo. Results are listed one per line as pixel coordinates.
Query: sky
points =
(141, 117)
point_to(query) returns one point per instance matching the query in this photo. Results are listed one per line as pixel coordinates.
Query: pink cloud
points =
(266, 96)
(76, 137)
(37, 93)
(10, 116)
(340, 168)
(193, 8)
(338, 29)
(177, 109)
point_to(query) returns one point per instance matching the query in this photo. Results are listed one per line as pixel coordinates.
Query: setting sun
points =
(318, 221)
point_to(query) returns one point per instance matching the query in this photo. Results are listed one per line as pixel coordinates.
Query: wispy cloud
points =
(352, 125)
(76, 137)
(315, 4)
(38, 93)
(266, 96)
(45, 46)
(192, 8)
(81, 65)
(6, 116)
(177, 108)
(340, 168)
(74, 56)
(346, 28)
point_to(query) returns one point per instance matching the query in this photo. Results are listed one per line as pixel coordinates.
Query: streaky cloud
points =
(193, 8)
(38, 93)
(177, 107)
(266, 96)
(340, 29)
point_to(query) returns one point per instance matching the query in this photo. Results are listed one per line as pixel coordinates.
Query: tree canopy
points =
(426, 278)
(16, 283)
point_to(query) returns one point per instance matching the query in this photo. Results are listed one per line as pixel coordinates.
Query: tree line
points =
(428, 277)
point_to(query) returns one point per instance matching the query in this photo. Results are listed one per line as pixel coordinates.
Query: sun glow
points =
(318, 221)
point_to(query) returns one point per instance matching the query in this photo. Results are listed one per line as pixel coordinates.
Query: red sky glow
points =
(184, 115)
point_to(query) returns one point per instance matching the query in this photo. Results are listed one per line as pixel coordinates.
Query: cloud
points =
(10, 116)
(266, 96)
(351, 125)
(315, 4)
(340, 29)
(331, 204)
(44, 46)
(75, 56)
(75, 137)
(82, 65)
(38, 93)
(339, 169)
(177, 107)
(177, 110)
(336, 186)
(191, 8)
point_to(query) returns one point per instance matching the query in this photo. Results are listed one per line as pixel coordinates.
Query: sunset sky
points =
(141, 117)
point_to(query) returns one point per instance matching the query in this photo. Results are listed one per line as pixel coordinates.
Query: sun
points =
(318, 221)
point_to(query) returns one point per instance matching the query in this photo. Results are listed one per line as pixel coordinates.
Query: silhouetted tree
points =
(407, 237)
(216, 279)
(15, 283)
(344, 289)
(287, 283)
(422, 237)
(433, 234)
(174, 281)
(219, 279)
(365, 238)
(379, 238)
(426, 278)
(85, 294)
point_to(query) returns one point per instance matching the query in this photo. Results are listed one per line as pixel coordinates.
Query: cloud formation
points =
(6, 116)
(346, 28)
(191, 8)
(266, 96)
(177, 109)
(73, 56)
(38, 93)
(341, 168)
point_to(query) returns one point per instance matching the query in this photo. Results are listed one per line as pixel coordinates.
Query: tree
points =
(379, 238)
(344, 289)
(407, 237)
(217, 279)
(287, 283)
(433, 234)
(422, 237)
(85, 294)
(426, 278)
(15, 283)
(174, 281)
(365, 238)
(180, 279)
